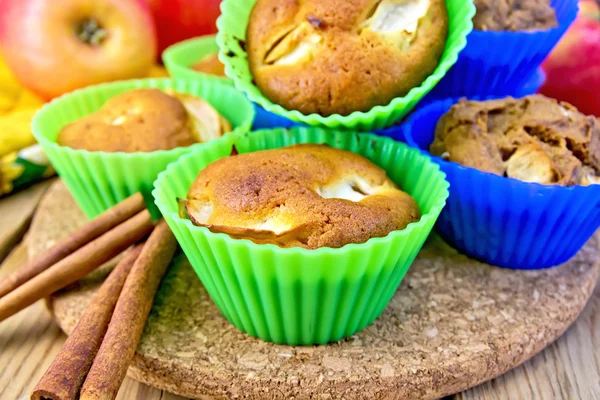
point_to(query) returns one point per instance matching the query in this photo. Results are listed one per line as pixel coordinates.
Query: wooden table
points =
(568, 369)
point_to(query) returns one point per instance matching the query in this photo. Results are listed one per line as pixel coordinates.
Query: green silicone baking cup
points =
(99, 180)
(297, 296)
(179, 57)
(232, 26)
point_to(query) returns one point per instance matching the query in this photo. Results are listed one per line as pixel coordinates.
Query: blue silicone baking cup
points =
(500, 63)
(398, 131)
(264, 119)
(503, 221)
(532, 85)
(527, 87)
(267, 120)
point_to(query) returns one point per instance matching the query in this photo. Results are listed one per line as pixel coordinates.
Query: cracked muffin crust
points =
(341, 56)
(534, 139)
(145, 120)
(305, 195)
(514, 15)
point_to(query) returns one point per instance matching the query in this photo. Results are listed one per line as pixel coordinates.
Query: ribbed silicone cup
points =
(99, 180)
(232, 26)
(503, 221)
(525, 88)
(499, 63)
(179, 57)
(298, 296)
(268, 120)
(532, 85)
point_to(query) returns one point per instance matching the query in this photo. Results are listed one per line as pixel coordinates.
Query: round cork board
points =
(453, 324)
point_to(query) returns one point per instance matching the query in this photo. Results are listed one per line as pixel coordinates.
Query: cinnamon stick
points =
(63, 380)
(128, 320)
(90, 231)
(77, 265)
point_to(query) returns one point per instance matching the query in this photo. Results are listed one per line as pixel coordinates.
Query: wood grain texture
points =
(16, 212)
(30, 340)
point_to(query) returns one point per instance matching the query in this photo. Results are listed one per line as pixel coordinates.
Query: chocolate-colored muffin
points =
(514, 15)
(307, 196)
(145, 120)
(534, 139)
(340, 56)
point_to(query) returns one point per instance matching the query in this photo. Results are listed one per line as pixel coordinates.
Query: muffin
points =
(275, 293)
(145, 120)
(514, 15)
(210, 64)
(534, 139)
(306, 195)
(194, 58)
(111, 140)
(505, 50)
(521, 174)
(337, 57)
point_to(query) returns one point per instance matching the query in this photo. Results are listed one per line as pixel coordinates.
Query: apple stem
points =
(91, 32)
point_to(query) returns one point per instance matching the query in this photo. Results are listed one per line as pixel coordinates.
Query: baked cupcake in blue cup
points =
(398, 131)
(527, 195)
(509, 42)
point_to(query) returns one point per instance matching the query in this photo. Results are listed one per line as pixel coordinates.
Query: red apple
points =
(56, 46)
(573, 67)
(177, 20)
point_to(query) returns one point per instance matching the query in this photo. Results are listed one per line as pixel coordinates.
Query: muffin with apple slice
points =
(524, 177)
(338, 57)
(301, 217)
(306, 195)
(146, 120)
(111, 140)
(509, 42)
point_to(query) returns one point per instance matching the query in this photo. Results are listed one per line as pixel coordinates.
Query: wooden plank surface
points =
(569, 369)
(30, 340)
(15, 215)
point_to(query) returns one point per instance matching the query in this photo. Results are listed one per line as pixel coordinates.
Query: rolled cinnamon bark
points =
(90, 231)
(128, 320)
(63, 380)
(77, 265)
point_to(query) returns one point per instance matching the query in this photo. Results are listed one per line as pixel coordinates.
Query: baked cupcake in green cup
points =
(301, 264)
(196, 57)
(358, 65)
(111, 140)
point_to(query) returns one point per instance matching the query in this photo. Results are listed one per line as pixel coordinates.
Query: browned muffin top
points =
(145, 120)
(534, 139)
(341, 56)
(514, 15)
(300, 196)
